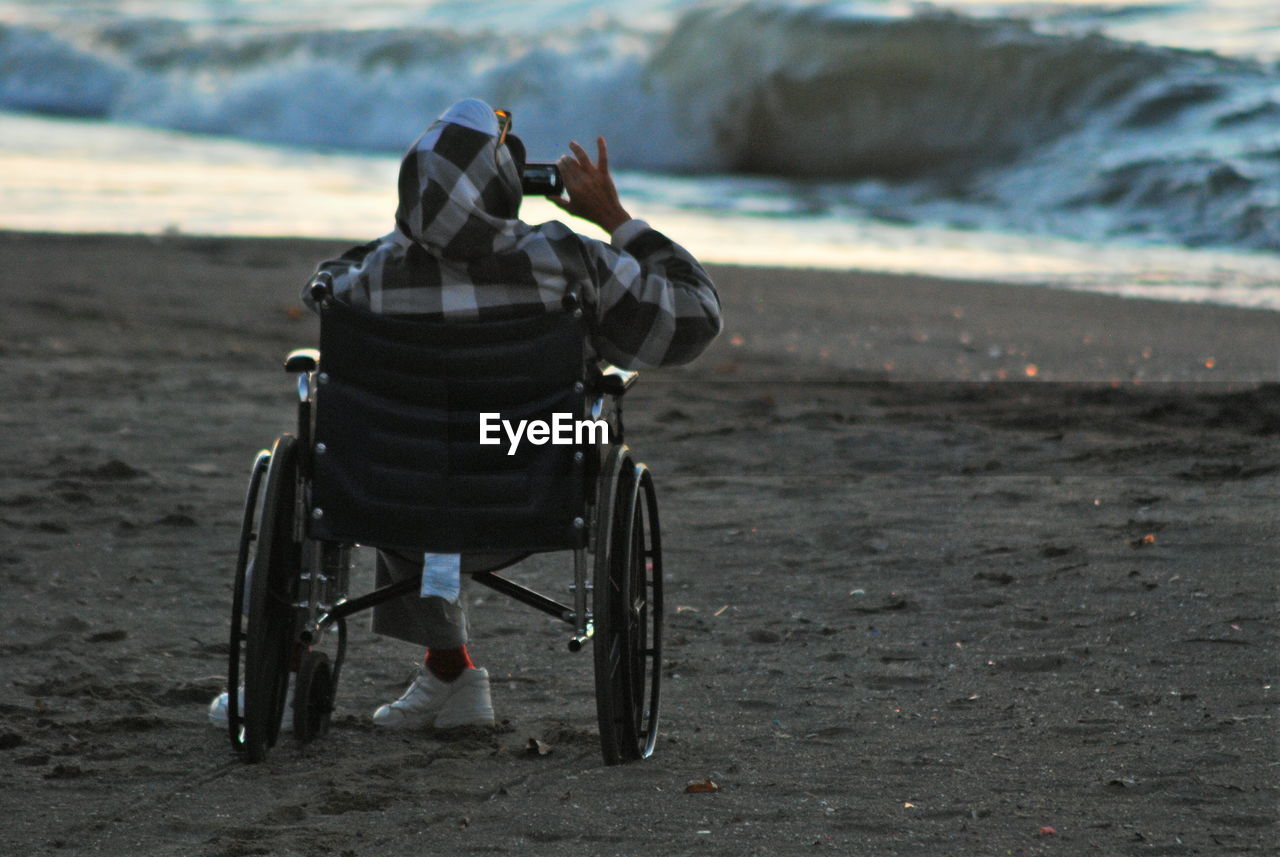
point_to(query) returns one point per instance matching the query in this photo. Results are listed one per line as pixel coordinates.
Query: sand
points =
(954, 569)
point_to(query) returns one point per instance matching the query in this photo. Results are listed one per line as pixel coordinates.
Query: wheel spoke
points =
(615, 656)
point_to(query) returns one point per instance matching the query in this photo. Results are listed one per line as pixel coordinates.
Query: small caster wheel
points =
(312, 697)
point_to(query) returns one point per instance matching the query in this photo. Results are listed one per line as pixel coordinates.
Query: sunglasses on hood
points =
(504, 124)
(536, 179)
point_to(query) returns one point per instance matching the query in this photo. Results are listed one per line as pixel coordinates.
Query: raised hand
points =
(590, 188)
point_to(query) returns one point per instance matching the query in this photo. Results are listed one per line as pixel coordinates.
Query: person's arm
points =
(340, 269)
(655, 305)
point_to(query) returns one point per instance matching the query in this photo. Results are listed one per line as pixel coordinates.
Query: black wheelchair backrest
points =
(398, 461)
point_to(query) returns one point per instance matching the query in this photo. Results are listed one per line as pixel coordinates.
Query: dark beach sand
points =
(923, 600)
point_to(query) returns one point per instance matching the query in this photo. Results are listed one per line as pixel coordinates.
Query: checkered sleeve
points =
(655, 305)
(343, 269)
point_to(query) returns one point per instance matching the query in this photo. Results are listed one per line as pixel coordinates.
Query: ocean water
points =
(1131, 147)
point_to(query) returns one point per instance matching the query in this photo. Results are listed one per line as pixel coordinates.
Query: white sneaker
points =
(429, 701)
(218, 708)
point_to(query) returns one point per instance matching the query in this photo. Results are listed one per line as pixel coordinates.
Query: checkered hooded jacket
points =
(459, 250)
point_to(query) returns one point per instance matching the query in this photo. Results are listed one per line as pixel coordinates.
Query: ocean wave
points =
(42, 73)
(987, 121)
(805, 94)
(982, 118)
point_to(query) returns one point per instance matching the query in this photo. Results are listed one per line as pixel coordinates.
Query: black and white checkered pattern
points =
(460, 251)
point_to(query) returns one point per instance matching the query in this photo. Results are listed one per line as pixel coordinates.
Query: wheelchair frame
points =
(291, 590)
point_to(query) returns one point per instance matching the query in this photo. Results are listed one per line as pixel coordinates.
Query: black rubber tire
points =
(627, 612)
(270, 630)
(239, 598)
(648, 617)
(312, 697)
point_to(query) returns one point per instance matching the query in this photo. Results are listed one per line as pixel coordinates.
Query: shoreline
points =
(886, 325)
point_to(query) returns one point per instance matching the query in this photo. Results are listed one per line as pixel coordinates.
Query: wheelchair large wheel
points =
(239, 597)
(263, 616)
(627, 612)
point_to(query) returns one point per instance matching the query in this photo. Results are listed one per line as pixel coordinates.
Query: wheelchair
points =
(387, 454)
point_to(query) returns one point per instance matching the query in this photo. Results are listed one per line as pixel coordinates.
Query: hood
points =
(459, 191)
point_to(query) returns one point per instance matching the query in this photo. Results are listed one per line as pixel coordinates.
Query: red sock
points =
(448, 664)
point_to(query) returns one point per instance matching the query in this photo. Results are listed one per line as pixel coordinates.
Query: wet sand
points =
(954, 568)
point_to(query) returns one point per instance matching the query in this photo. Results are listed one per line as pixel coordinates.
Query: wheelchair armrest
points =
(613, 380)
(321, 287)
(302, 360)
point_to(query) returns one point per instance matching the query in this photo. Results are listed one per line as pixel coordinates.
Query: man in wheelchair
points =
(459, 252)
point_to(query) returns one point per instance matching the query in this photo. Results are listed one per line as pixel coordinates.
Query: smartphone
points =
(541, 179)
